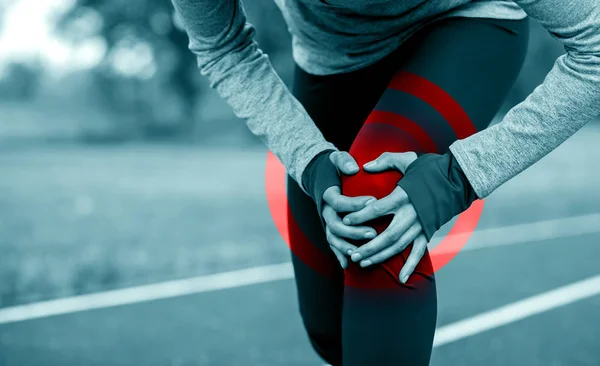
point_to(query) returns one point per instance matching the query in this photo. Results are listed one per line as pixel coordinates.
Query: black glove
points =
(438, 190)
(319, 175)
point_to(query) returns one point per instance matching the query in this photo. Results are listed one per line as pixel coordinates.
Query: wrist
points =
(438, 190)
(319, 175)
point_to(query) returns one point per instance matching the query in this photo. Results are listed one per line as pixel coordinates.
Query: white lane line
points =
(518, 310)
(133, 295)
(481, 239)
(529, 232)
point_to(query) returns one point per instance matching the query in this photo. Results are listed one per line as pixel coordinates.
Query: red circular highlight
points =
(451, 244)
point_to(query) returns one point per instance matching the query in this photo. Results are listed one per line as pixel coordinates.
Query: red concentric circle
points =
(466, 222)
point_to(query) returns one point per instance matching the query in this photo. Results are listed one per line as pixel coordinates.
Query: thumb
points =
(344, 162)
(387, 160)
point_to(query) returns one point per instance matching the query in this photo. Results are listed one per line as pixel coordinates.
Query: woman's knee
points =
(373, 140)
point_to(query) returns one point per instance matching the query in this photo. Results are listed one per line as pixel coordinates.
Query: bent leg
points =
(338, 104)
(474, 61)
(319, 294)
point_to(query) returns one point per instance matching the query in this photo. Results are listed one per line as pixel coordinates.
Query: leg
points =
(319, 295)
(338, 104)
(475, 61)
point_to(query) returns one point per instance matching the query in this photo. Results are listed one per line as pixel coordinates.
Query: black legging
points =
(476, 62)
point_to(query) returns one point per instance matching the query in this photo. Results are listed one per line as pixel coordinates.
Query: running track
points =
(551, 319)
(525, 292)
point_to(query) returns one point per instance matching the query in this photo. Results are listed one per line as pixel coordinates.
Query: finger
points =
(337, 227)
(378, 208)
(338, 243)
(341, 203)
(399, 233)
(416, 253)
(388, 160)
(340, 257)
(408, 237)
(344, 162)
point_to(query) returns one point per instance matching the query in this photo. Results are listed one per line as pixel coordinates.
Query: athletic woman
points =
(409, 86)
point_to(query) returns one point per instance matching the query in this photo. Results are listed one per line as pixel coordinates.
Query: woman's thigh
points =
(459, 69)
(338, 104)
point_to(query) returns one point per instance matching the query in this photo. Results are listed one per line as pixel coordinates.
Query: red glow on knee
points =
(373, 140)
(382, 131)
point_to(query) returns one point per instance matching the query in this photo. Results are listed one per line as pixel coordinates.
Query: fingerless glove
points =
(438, 190)
(318, 176)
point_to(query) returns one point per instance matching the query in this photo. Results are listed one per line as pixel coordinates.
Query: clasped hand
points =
(404, 228)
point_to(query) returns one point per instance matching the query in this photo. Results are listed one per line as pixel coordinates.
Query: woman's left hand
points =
(404, 228)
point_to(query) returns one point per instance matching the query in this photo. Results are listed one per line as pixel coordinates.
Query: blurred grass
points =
(80, 218)
(48, 120)
(75, 219)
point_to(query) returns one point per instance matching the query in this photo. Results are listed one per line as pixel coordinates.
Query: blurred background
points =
(120, 167)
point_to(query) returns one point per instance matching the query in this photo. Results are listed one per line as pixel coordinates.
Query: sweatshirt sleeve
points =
(222, 41)
(568, 98)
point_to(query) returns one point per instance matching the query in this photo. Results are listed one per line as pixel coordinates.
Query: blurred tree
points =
(144, 52)
(3, 6)
(147, 71)
(20, 81)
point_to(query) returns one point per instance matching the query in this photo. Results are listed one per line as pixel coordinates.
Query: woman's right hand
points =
(336, 231)
(322, 182)
(335, 203)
